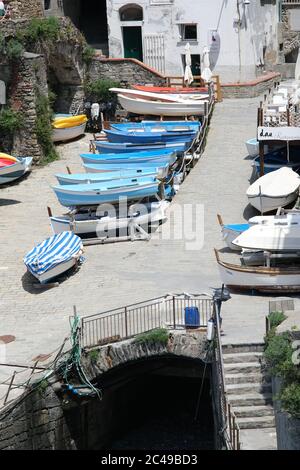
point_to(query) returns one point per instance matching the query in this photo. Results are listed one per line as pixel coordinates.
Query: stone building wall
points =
(26, 9)
(291, 39)
(29, 78)
(126, 71)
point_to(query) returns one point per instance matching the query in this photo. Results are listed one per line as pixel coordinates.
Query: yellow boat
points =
(8, 157)
(69, 121)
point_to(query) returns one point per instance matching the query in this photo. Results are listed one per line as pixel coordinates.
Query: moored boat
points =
(147, 137)
(161, 169)
(69, 133)
(129, 147)
(112, 221)
(108, 191)
(96, 177)
(11, 170)
(54, 256)
(277, 279)
(230, 232)
(163, 108)
(135, 157)
(275, 233)
(274, 190)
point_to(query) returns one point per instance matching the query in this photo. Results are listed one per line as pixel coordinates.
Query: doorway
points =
(132, 40)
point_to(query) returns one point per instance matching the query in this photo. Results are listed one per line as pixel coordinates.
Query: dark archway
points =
(90, 17)
(148, 404)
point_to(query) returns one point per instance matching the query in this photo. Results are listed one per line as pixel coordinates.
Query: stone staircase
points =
(248, 389)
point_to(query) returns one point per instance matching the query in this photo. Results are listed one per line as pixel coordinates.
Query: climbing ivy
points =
(10, 121)
(158, 336)
(43, 129)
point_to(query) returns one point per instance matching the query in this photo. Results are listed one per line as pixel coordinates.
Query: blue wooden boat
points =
(161, 169)
(157, 126)
(128, 147)
(106, 192)
(231, 231)
(135, 157)
(144, 137)
(278, 158)
(85, 178)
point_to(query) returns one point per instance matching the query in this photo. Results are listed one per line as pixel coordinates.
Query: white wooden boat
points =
(62, 135)
(16, 170)
(107, 221)
(281, 279)
(273, 190)
(266, 258)
(274, 233)
(162, 108)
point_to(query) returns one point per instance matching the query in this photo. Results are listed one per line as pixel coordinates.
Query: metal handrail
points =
(230, 427)
(125, 322)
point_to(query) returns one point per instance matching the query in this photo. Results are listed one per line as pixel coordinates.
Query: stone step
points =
(242, 367)
(243, 388)
(242, 348)
(233, 358)
(245, 378)
(254, 399)
(256, 423)
(253, 411)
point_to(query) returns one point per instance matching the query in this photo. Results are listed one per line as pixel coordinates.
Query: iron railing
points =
(230, 428)
(126, 322)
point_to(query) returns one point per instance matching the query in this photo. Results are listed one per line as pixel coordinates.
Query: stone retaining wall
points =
(49, 418)
(126, 71)
(250, 89)
(26, 9)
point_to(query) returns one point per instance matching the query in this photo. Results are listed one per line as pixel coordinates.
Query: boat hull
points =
(70, 196)
(63, 135)
(266, 204)
(160, 171)
(252, 146)
(156, 108)
(143, 138)
(139, 157)
(13, 172)
(260, 279)
(127, 147)
(94, 177)
(54, 273)
(149, 218)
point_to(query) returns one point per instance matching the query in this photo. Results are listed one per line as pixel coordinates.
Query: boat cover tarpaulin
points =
(53, 251)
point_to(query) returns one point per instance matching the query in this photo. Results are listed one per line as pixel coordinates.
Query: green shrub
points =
(94, 354)
(98, 90)
(290, 399)
(159, 336)
(278, 351)
(88, 54)
(40, 29)
(14, 49)
(10, 121)
(43, 129)
(275, 318)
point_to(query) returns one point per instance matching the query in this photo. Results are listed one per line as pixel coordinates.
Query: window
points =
(189, 32)
(131, 13)
(47, 4)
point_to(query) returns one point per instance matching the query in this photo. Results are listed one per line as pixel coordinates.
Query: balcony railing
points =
(290, 2)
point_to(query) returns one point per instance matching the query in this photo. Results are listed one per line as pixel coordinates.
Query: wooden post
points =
(49, 211)
(261, 159)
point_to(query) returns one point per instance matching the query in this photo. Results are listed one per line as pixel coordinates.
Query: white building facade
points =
(241, 34)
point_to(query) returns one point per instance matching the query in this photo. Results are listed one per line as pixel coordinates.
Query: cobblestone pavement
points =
(117, 274)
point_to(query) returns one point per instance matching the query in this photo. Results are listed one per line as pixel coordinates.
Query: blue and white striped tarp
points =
(53, 251)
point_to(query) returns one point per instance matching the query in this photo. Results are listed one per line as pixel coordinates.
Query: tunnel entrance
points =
(90, 17)
(149, 405)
